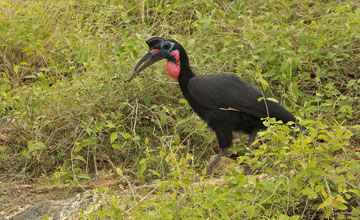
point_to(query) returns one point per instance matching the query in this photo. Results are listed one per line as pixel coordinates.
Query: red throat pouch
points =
(173, 69)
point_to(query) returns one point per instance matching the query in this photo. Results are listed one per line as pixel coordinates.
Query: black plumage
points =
(226, 102)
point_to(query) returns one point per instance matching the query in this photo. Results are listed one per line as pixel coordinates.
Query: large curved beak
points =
(147, 60)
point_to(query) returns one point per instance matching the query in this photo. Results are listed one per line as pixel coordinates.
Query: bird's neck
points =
(185, 75)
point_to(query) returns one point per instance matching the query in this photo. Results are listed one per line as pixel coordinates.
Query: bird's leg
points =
(247, 168)
(215, 161)
(224, 137)
(252, 138)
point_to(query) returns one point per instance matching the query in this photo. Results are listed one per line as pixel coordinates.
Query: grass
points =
(67, 113)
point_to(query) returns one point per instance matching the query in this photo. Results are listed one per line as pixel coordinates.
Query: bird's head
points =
(160, 48)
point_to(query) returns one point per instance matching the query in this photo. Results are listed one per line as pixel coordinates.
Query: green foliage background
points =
(67, 113)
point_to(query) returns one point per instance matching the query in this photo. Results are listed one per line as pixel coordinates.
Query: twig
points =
(142, 199)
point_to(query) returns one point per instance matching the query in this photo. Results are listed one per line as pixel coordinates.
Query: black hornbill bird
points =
(226, 102)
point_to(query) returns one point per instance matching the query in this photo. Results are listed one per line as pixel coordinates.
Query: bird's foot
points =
(247, 169)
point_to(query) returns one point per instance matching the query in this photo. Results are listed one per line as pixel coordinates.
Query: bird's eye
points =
(166, 46)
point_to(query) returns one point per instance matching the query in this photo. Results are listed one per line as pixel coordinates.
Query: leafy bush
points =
(294, 178)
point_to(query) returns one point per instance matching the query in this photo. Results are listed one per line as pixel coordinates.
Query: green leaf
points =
(3, 157)
(318, 171)
(142, 168)
(147, 99)
(125, 135)
(162, 117)
(272, 99)
(119, 171)
(251, 211)
(263, 83)
(33, 146)
(177, 139)
(113, 137)
(110, 125)
(339, 205)
(326, 203)
(84, 176)
(116, 146)
(25, 153)
(16, 69)
(268, 186)
(199, 212)
(80, 158)
(155, 173)
(77, 148)
(295, 217)
(266, 197)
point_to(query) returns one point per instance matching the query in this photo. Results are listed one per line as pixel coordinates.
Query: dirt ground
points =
(33, 201)
(19, 201)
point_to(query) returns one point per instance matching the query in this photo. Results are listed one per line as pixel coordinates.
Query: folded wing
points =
(229, 92)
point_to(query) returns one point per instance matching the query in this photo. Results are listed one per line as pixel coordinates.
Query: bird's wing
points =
(229, 92)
